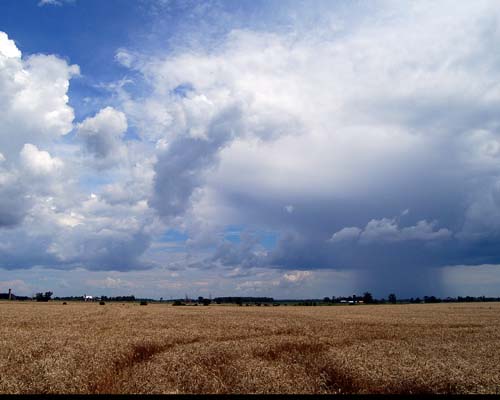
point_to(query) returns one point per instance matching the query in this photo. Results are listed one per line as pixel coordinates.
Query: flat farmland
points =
(158, 348)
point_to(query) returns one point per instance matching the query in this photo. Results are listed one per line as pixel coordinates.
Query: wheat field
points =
(127, 348)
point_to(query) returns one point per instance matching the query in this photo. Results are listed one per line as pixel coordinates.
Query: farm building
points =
(90, 298)
(12, 296)
(8, 296)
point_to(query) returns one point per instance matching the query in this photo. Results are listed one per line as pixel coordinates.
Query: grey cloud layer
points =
(398, 113)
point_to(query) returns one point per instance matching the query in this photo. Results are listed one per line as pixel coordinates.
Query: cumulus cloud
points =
(351, 233)
(38, 162)
(91, 234)
(102, 136)
(34, 112)
(33, 97)
(44, 205)
(8, 48)
(388, 230)
(346, 124)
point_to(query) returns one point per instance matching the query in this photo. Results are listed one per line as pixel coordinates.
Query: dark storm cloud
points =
(180, 168)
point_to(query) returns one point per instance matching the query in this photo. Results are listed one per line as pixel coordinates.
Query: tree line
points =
(368, 298)
(365, 298)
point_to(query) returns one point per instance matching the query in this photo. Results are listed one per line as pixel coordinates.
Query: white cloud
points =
(297, 276)
(8, 47)
(388, 230)
(42, 3)
(111, 283)
(42, 199)
(124, 58)
(102, 136)
(33, 97)
(39, 162)
(344, 234)
(49, 2)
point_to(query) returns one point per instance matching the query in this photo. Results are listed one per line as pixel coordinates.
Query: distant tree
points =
(206, 302)
(43, 296)
(200, 299)
(367, 298)
(326, 299)
(431, 299)
(392, 298)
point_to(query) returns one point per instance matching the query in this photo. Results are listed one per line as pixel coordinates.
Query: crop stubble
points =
(126, 348)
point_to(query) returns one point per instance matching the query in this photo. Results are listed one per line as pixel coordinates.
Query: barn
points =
(8, 296)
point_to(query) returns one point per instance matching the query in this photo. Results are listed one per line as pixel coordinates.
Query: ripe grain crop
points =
(87, 348)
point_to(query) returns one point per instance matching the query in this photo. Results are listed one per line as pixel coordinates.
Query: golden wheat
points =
(125, 348)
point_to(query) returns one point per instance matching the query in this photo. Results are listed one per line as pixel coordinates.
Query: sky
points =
(292, 149)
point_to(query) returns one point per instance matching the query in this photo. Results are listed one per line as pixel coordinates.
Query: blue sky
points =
(281, 148)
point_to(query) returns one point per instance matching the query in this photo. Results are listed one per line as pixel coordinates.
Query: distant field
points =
(116, 348)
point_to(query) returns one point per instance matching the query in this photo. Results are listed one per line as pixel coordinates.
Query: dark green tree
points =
(367, 298)
(43, 296)
(392, 298)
